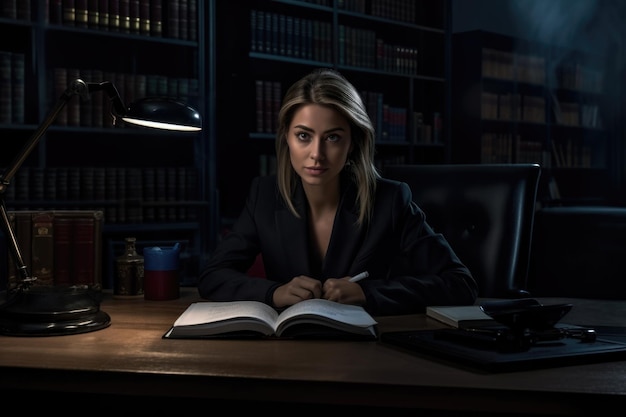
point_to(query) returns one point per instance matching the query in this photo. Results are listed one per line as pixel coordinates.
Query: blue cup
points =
(161, 273)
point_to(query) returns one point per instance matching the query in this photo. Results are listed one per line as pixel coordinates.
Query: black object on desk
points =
(527, 335)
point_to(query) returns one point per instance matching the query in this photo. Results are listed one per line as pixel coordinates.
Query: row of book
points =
(511, 106)
(532, 69)
(12, 87)
(292, 36)
(268, 98)
(96, 112)
(392, 122)
(506, 148)
(508, 65)
(58, 247)
(124, 194)
(168, 18)
(362, 48)
(298, 37)
(570, 154)
(401, 10)
(16, 9)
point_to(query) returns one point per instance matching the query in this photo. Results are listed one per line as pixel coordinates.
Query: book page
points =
(329, 310)
(211, 312)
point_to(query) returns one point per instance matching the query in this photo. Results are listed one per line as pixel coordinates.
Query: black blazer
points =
(410, 266)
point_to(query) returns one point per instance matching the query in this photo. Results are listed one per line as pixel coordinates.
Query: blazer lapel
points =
(346, 236)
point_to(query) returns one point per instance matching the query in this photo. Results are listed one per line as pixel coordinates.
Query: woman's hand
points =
(298, 289)
(343, 291)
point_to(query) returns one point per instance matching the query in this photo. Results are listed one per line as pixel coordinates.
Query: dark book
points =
(134, 195)
(55, 12)
(183, 19)
(103, 14)
(144, 17)
(173, 18)
(181, 193)
(37, 184)
(172, 193)
(69, 12)
(134, 10)
(124, 12)
(260, 105)
(149, 194)
(6, 94)
(77, 250)
(161, 193)
(114, 15)
(121, 195)
(63, 251)
(111, 194)
(93, 14)
(81, 13)
(8, 9)
(24, 11)
(42, 256)
(85, 271)
(156, 18)
(191, 184)
(18, 87)
(192, 20)
(314, 318)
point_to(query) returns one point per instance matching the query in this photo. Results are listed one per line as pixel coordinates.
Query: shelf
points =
(517, 101)
(153, 184)
(398, 64)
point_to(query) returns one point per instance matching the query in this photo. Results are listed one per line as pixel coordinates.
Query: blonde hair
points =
(329, 88)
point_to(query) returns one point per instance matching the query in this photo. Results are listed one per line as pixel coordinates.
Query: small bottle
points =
(129, 266)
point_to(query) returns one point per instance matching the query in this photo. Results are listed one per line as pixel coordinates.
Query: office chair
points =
(486, 212)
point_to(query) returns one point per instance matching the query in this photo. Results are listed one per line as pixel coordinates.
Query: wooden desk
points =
(128, 367)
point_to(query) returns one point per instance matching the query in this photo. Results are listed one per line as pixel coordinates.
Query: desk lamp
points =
(31, 310)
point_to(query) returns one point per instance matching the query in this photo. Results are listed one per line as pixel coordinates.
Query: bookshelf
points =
(154, 185)
(516, 101)
(394, 52)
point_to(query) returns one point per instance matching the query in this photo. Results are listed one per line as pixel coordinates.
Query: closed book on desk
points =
(462, 317)
(311, 319)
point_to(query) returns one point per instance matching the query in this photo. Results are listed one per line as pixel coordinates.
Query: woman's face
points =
(319, 141)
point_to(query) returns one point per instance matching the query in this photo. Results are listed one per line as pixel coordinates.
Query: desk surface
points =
(130, 358)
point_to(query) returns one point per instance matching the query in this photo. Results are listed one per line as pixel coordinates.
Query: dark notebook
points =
(610, 344)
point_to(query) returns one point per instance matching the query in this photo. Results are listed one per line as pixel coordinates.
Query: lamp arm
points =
(77, 87)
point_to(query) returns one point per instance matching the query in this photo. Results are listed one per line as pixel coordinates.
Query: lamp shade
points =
(163, 113)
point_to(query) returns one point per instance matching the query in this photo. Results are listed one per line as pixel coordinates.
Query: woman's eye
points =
(332, 138)
(303, 136)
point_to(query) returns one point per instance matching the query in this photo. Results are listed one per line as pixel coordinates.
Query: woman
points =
(328, 215)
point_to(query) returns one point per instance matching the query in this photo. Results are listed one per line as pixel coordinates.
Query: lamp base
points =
(52, 311)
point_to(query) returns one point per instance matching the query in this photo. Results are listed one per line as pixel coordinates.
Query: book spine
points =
(6, 80)
(43, 248)
(84, 269)
(63, 251)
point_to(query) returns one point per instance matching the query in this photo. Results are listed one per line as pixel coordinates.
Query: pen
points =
(359, 277)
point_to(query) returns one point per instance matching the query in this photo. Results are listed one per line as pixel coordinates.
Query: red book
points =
(84, 251)
(63, 256)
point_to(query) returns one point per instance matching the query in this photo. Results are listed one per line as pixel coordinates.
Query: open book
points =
(315, 318)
